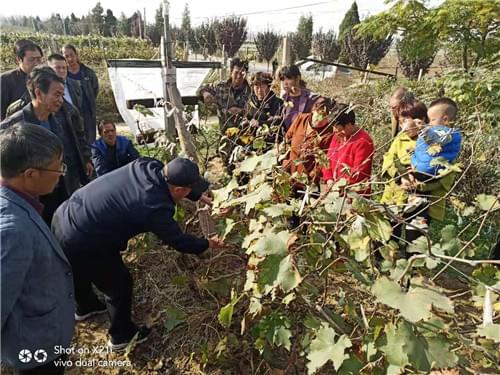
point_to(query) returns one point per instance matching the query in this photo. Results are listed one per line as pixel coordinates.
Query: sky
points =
(261, 14)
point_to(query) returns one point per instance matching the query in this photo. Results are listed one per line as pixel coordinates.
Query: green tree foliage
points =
(360, 50)
(351, 19)
(267, 44)
(301, 40)
(185, 31)
(231, 32)
(110, 23)
(470, 27)
(97, 19)
(205, 38)
(123, 25)
(325, 45)
(414, 22)
(55, 24)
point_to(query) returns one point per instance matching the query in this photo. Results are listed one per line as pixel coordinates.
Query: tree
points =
(185, 31)
(136, 25)
(97, 19)
(123, 25)
(412, 64)
(470, 27)
(360, 50)
(110, 23)
(351, 18)
(326, 45)
(231, 32)
(206, 39)
(267, 44)
(55, 24)
(155, 31)
(415, 23)
(301, 40)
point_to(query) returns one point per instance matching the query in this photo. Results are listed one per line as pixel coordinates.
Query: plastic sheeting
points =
(130, 83)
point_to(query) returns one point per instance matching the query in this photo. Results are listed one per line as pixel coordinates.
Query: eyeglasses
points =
(62, 171)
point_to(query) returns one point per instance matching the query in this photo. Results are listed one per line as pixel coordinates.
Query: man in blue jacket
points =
(95, 224)
(36, 278)
(111, 151)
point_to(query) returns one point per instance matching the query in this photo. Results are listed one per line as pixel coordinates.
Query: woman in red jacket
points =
(350, 153)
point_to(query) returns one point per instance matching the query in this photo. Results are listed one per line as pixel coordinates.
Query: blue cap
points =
(185, 173)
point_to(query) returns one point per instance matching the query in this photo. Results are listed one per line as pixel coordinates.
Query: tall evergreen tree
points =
(301, 40)
(97, 19)
(110, 23)
(351, 19)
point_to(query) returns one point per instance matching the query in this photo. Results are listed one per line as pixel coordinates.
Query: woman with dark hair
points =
(90, 88)
(263, 106)
(297, 99)
(411, 114)
(420, 201)
(350, 153)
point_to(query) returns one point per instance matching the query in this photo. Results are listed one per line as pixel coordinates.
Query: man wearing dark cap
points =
(95, 224)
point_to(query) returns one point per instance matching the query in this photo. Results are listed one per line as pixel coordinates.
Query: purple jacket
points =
(305, 106)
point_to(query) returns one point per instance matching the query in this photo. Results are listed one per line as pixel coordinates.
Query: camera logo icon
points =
(25, 356)
(40, 356)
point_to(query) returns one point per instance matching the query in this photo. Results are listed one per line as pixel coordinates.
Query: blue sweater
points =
(105, 159)
(449, 141)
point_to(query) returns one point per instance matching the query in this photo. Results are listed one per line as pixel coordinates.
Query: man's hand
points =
(208, 98)
(206, 199)
(89, 168)
(215, 242)
(254, 123)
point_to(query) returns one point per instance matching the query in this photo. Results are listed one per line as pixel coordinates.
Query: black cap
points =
(183, 172)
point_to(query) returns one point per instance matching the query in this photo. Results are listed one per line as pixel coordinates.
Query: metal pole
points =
(168, 71)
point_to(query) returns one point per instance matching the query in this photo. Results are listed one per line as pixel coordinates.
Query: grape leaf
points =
(414, 305)
(174, 318)
(491, 331)
(278, 271)
(222, 195)
(226, 315)
(271, 243)
(323, 348)
(261, 194)
(485, 201)
(280, 209)
(378, 228)
(393, 349)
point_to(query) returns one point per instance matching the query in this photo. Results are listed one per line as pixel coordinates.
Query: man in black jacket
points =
(90, 88)
(95, 224)
(72, 89)
(47, 108)
(13, 82)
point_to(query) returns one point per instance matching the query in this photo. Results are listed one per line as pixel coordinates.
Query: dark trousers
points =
(410, 234)
(105, 269)
(47, 369)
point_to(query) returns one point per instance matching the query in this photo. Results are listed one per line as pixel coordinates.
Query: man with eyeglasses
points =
(36, 277)
(47, 109)
(13, 82)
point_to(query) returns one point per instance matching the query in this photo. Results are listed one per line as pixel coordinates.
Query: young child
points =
(437, 140)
